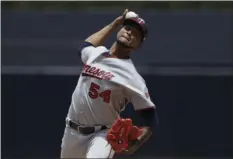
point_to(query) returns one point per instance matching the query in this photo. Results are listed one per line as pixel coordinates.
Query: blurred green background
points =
(116, 5)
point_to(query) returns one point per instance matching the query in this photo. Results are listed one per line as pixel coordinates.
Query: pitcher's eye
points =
(127, 28)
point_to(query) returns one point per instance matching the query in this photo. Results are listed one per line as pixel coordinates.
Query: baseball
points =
(131, 14)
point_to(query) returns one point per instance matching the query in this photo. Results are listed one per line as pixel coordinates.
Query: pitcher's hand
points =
(119, 20)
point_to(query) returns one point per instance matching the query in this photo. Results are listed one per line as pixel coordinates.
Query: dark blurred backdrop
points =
(186, 61)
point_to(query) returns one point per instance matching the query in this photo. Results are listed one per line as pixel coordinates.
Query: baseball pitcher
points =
(108, 82)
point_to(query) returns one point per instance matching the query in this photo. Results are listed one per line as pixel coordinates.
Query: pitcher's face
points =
(129, 36)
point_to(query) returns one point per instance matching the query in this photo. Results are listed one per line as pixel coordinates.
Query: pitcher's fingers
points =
(125, 12)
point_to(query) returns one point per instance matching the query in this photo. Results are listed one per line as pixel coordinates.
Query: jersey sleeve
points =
(88, 51)
(141, 100)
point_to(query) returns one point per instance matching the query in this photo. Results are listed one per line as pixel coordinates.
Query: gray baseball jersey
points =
(106, 85)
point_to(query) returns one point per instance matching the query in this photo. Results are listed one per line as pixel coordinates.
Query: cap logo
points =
(140, 21)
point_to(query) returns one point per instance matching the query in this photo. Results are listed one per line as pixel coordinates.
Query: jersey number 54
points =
(94, 93)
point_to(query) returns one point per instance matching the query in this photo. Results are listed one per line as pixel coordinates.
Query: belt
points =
(85, 130)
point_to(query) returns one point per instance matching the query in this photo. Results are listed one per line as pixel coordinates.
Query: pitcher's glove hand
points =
(125, 138)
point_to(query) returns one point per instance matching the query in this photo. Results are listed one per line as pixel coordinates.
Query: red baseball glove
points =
(125, 138)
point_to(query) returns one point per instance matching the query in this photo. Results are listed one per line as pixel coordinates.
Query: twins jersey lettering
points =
(106, 85)
(96, 72)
